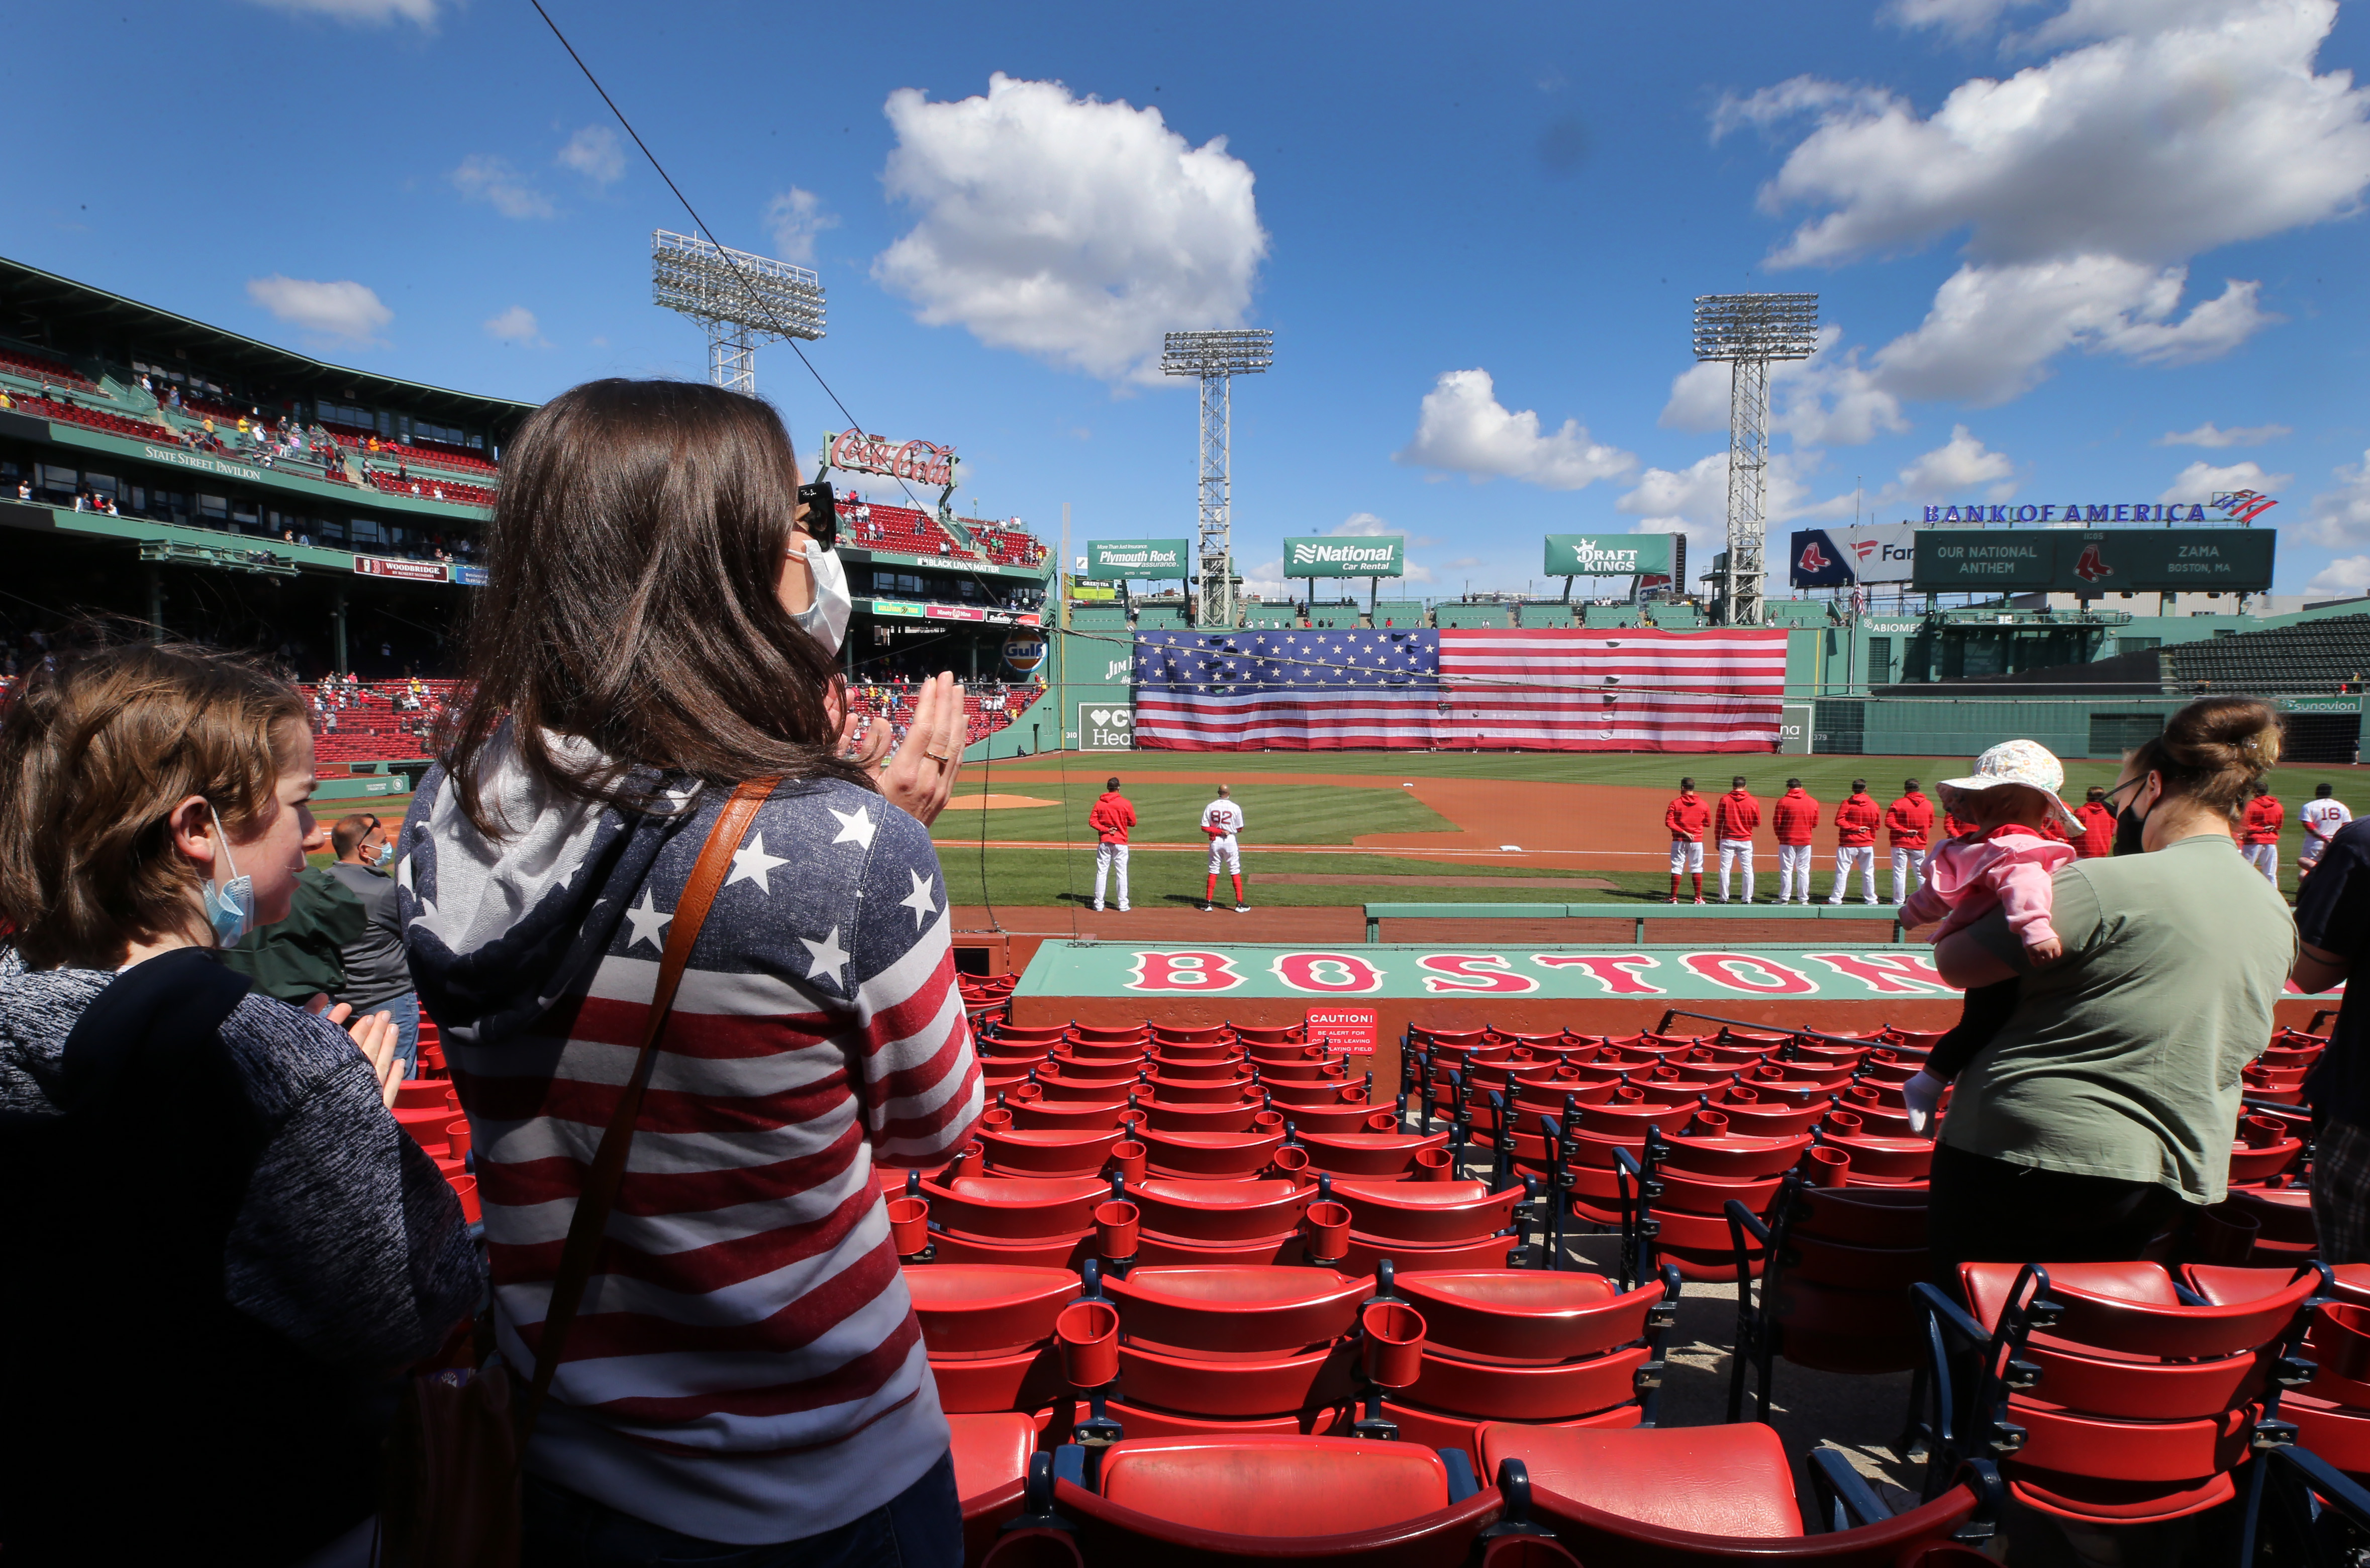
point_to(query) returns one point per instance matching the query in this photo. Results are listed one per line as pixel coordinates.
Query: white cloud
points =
(2344, 577)
(794, 218)
(2081, 185)
(1961, 19)
(1071, 229)
(484, 177)
(2153, 146)
(2207, 435)
(1463, 427)
(1954, 469)
(2341, 515)
(1694, 500)
(596, 153)
(1826, 399)
(1993, 330)
(343, 312)
(1366, 525)
(371, 12)
(2201, 480)
(516, 325)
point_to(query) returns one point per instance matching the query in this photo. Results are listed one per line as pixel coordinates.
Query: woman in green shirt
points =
(2101, 1116)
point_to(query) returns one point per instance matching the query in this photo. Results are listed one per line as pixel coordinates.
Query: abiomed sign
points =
(1117, 560)
(1382, 556)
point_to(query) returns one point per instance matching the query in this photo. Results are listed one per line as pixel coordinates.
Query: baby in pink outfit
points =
(2005, 863)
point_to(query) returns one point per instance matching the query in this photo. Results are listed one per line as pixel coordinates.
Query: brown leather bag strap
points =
(588, 1229)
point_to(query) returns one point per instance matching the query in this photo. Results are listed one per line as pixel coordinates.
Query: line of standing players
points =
(1908, 824)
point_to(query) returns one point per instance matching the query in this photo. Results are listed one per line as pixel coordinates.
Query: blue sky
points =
(2048, 236)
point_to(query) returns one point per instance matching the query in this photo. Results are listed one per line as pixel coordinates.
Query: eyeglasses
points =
(2127, 783)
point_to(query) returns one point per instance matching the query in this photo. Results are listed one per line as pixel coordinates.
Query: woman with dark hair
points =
(219, 1245)
(745, 1371)
(2100, 1113)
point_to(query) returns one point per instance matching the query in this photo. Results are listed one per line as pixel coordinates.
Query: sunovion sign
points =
(1609, 555)
(1115, 560)
(1384, 555)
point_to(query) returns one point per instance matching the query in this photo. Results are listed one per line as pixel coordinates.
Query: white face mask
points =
(230, 904)
(825, 620)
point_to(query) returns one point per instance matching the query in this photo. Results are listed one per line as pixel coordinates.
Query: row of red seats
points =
(41, 367)
(1162, 1312)
(439, 457)
(97, 419)
(431, 488)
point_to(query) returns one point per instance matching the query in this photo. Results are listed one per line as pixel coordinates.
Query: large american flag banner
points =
(1561, 690)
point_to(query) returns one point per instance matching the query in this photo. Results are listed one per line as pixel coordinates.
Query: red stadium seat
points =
(1609, 1498)
(1837, 1267)
(2135, 1402)
(988, 1330)
(1235, 1349)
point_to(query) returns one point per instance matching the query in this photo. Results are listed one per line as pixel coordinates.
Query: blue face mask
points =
(230, 906)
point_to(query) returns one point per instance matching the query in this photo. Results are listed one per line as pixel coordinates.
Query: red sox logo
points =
(1814, 558)
(2091, 568)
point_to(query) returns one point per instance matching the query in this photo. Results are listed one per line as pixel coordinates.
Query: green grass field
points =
(1312, 814)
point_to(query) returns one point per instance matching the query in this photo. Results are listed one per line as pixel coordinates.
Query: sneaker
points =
(1099, 909)
(1699, 900)
(1674, 897)
(1242, 909)
(1203, 908)
(1723, 897)
(1122, 909)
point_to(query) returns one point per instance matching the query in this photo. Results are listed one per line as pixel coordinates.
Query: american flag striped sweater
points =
(746, 1367)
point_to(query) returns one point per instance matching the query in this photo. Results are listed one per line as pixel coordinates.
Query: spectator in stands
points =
(2259, 837)
(613, 708)
(1112, 817)
(214, 1231)
(2100, 1113)
(377, 977)
(2332, 917)
(2323, 816)
(2098, 819)
(1908, 823)
(1686, 817)
(1856, 820)
(1795, 814)
(1736, 815)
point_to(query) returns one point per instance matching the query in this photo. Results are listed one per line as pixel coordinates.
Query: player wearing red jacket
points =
(2259, 835)
(2098, 819)
(1794, 816)
(1910, 822)
(1113, 814)
(1686, 818)
(1856, 820)
(1734, 816)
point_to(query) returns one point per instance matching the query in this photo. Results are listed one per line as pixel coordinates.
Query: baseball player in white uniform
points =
(1222, 820)
(2322, 814)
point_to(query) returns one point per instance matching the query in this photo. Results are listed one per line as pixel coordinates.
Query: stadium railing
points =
(1640, 915)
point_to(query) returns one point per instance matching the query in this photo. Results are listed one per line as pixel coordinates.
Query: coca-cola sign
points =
(922, 461)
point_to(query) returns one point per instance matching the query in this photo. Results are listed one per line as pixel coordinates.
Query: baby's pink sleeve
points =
(2021, 875)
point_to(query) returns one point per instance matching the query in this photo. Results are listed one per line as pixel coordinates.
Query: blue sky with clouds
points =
(2093, 250)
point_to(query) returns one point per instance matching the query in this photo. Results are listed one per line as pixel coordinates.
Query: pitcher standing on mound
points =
(1222, 820)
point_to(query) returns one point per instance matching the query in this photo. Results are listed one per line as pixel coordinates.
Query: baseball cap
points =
(2026, 762)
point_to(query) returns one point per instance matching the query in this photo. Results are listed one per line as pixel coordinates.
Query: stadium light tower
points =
(1749, 331)
(743, 300)
(1217, 358)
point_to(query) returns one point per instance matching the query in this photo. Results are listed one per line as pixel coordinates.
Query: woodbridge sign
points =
(1329, 556)
(1115, 560)
(1609, 555)
(921, 461)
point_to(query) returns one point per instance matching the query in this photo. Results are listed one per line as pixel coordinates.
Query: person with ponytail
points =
(2100, 1115)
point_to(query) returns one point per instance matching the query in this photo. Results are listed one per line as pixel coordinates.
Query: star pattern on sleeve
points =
(856, 827)
(649, 923)
(921, 900)
(829, 958)
(752, 864)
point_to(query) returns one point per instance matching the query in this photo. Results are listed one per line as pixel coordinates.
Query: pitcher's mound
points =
(996, 802)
